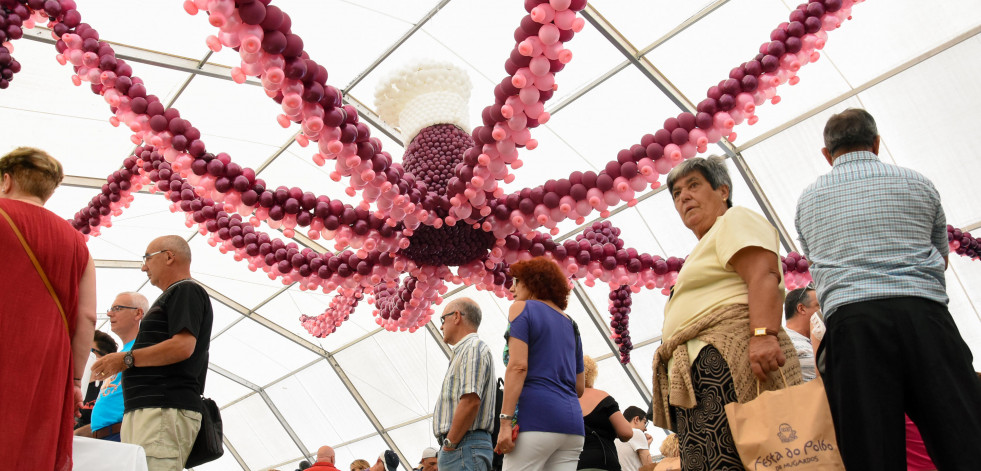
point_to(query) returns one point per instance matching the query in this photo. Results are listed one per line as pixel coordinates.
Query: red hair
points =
(544, 280)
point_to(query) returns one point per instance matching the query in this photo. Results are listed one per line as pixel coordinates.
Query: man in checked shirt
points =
(876, 238)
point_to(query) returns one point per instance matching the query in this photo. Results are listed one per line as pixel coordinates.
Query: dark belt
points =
(442, 436)
(106, 431)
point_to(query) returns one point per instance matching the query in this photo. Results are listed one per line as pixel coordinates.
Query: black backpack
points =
(498, 461)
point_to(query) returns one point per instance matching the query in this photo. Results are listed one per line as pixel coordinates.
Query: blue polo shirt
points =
(108, 408)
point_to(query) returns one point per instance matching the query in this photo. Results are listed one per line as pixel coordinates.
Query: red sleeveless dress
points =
(36, 393)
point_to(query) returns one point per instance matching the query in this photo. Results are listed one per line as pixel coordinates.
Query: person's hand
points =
(79, 400)
(765, 355)
(108, 365)
(817, 326)
(504, 442)
(650, 439)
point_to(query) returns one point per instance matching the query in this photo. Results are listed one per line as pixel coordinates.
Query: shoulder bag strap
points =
(37, 266)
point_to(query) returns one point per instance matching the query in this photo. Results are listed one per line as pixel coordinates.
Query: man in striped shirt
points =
(875, 235)
(800, 307)
(464, 415)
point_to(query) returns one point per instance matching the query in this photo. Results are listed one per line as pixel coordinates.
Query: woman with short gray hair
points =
(721, 329)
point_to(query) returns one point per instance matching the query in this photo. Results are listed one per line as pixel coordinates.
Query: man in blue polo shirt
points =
(876, 237)
(124, 317)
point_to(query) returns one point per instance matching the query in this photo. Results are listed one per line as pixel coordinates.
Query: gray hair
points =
(138, 300)
(470, 312)
(712, 168)
(852, 129)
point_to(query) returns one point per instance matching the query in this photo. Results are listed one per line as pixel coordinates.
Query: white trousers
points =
(544, 451)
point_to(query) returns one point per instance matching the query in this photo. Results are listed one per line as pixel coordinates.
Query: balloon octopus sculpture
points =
(442, 207)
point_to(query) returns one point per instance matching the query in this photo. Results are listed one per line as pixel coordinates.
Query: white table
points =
(90, 454)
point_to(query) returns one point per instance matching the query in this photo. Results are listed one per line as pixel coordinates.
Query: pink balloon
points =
(549, 34)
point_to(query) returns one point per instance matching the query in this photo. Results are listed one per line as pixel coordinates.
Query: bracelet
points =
(506, 417)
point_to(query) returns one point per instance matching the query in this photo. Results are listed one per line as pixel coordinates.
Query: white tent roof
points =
(284, 393)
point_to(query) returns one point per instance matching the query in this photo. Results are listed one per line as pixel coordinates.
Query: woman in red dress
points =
(44, 350)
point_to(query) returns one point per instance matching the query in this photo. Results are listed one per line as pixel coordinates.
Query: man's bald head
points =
(325, 454)
(176, 245)
(469, 311)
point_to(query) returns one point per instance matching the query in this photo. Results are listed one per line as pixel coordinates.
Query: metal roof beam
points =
(128, 264)
(284, 423)
(78, 181)
(604, 330)
(145, 56)
(313, 348)
(623, 65)
(398, 43)
(234, 377)
(367, 411)
(863, 87)
(675, 95)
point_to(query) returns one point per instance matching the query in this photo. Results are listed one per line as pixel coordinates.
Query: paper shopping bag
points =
(786, 430)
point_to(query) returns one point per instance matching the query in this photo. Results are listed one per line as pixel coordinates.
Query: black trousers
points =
(885, 357)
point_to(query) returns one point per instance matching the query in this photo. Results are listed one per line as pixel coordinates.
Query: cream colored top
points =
(707, 280)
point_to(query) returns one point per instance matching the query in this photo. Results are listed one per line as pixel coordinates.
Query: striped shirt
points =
(871, 230)
(805, 353)
(184, 305)
(471, 370)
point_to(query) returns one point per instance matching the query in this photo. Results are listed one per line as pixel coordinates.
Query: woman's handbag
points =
(208, 445)
(788, 429)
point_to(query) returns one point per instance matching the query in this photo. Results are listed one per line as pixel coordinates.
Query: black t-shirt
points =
(184, 305)
(598, 450)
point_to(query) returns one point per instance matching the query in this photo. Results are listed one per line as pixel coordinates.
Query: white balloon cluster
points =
(421, 94)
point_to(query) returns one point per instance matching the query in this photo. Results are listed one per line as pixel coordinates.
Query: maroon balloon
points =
(654, 151)
(679, 136)
(252, 13)
(294, 46)
(796, 29)
(707, 105)
(770, 63)
(812, 24)
(776, 48)
(815, 9)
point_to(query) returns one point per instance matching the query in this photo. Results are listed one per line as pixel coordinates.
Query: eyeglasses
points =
(98, 352)
(442, 319)
(148, 255)
(120, 307)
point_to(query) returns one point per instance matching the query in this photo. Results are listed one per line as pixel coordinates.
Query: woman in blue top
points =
(544, 377)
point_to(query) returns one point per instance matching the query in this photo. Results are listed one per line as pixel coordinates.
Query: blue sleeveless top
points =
(548, 401)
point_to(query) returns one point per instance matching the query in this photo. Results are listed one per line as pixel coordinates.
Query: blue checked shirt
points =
(872, 230)
(471, 370)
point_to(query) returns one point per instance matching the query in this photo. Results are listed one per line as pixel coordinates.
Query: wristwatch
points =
(505, 417)
(128, 359)
(763, 332)
(450, 445)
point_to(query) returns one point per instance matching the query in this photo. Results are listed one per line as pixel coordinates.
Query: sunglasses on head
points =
(799, 296)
